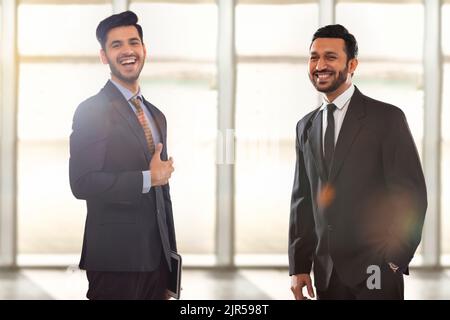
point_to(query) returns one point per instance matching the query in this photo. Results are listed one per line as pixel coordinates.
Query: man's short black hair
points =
(126, 18)
(340, 32)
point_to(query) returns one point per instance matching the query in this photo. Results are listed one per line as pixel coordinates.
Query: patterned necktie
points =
(329, 137)
(136, 101)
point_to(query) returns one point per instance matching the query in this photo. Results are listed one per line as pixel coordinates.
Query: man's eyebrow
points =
(326, 53)
(116, 42)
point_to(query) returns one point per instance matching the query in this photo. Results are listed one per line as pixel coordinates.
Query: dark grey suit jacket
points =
(125, 230)
(370, 209)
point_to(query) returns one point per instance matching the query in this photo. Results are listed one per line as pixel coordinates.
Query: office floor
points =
(200, 284)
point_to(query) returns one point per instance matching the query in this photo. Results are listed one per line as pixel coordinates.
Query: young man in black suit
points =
(119, 165)
(359, 197)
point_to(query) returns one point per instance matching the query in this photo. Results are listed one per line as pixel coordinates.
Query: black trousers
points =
(391, 288)
(128, 285)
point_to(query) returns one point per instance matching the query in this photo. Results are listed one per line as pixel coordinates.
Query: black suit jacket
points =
(370, 209)
(125, 230)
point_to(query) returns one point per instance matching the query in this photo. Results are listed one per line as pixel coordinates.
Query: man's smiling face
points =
(125, 53)
(329, 68)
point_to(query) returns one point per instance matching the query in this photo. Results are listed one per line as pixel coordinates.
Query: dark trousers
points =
(128, 285)
(391, 288)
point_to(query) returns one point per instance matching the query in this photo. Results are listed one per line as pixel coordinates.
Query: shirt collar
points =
(340, 101)
(126, 92)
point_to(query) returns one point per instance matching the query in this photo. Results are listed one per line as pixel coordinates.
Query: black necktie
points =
(329, 137)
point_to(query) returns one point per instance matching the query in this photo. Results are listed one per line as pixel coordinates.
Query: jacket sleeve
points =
(406, 191)
(302, 237)
(88, 147)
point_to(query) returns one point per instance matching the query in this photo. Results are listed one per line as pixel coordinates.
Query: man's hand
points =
(160, 170)
(298, 281)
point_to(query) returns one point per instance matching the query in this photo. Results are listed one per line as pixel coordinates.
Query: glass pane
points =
(397, 84)
(50, 219)
(263, 30)
(271, 98)
(44, 98)
(187, 95)
(179, 30)
(59, 29)
(445, 167)
(445, 27)
(391, 24)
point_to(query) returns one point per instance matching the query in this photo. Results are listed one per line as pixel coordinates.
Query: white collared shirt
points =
(341, 103)
(127, 94)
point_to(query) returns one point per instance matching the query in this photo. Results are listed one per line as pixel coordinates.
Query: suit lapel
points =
(121, 105)
(349, 130)
(315, 144)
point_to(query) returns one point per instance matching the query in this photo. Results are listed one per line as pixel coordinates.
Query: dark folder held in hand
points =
(174, 285)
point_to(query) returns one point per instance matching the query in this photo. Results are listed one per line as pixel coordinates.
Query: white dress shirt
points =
(128, 95)
(341, 103)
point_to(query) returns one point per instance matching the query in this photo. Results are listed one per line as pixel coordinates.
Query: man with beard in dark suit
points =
(359, 197)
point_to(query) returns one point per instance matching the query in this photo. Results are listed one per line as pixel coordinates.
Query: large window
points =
(273, 92)
(59, 68)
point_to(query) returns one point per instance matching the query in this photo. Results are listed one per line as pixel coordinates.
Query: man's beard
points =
(120, 76)
(342, 78)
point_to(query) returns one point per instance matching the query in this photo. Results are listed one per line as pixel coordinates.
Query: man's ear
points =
(145, 51)
(352, 64)
(103, 56)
